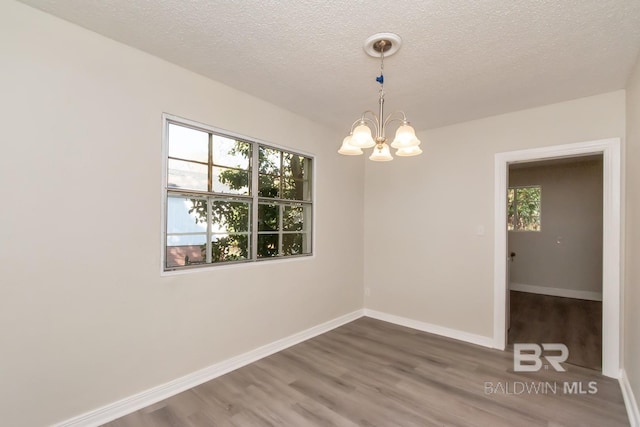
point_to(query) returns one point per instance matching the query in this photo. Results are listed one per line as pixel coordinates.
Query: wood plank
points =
(373, 373)
(574, 322)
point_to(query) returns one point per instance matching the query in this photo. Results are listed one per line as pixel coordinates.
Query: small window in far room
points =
(524, 208)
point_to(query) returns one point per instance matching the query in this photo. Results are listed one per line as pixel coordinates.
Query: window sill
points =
(235, 265)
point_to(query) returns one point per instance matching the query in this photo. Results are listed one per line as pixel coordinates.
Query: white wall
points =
(632, 273)
(424, 259)
(85, 317)
(566, 254)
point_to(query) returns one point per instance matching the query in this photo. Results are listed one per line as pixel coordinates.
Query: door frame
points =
(611, 240)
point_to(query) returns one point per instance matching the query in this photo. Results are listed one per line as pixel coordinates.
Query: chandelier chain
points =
(380, 79)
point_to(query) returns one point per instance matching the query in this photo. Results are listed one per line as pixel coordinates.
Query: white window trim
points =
(250, 263)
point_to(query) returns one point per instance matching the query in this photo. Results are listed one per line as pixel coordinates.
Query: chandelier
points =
(405, 142)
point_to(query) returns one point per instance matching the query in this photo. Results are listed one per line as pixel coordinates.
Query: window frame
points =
(515, 210)
(253, 197)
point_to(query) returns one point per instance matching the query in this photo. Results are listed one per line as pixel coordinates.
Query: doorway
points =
(611, 238)
(554, 223)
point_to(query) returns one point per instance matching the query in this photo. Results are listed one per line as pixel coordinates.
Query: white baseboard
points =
(630, 401)
(131, 404)
(556, 292)
(431, 328)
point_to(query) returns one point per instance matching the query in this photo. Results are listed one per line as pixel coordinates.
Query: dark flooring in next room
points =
(373, 373)
(547, 319)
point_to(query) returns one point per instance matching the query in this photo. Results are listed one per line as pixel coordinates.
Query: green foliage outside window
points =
(524, 208)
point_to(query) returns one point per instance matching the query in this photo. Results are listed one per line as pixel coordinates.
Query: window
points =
(232, 199)
(523, 208)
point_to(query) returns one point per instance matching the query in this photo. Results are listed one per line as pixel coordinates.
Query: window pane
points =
(230, 216)
(293, 166)
(511, 209)
(268, 245)
(231, 247)
(269, 161)
(188, 175)
(189, 144)
(231, 153)
(186, 239)
(268, 217)
(294, 218)
(232, 181)
(293, 189)
(268, 186)
(294, 244)
(186, 215)
(528, 208)
(185, 250)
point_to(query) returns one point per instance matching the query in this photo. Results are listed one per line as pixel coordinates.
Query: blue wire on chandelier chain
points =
(380, 78)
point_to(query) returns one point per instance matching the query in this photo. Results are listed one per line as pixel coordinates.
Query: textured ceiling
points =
(460, 59)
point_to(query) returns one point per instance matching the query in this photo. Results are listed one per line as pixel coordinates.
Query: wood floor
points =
(547, 319)
(373, 373)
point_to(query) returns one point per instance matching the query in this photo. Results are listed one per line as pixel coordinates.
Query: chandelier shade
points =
(369, 130)
(361, 137)
(409, 151)
(405, 137)
(348, 149)
(381, 153)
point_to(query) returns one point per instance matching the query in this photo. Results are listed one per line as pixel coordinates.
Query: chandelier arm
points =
(374, 115)
(390, 118)
(375, 122)
(353, 126)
